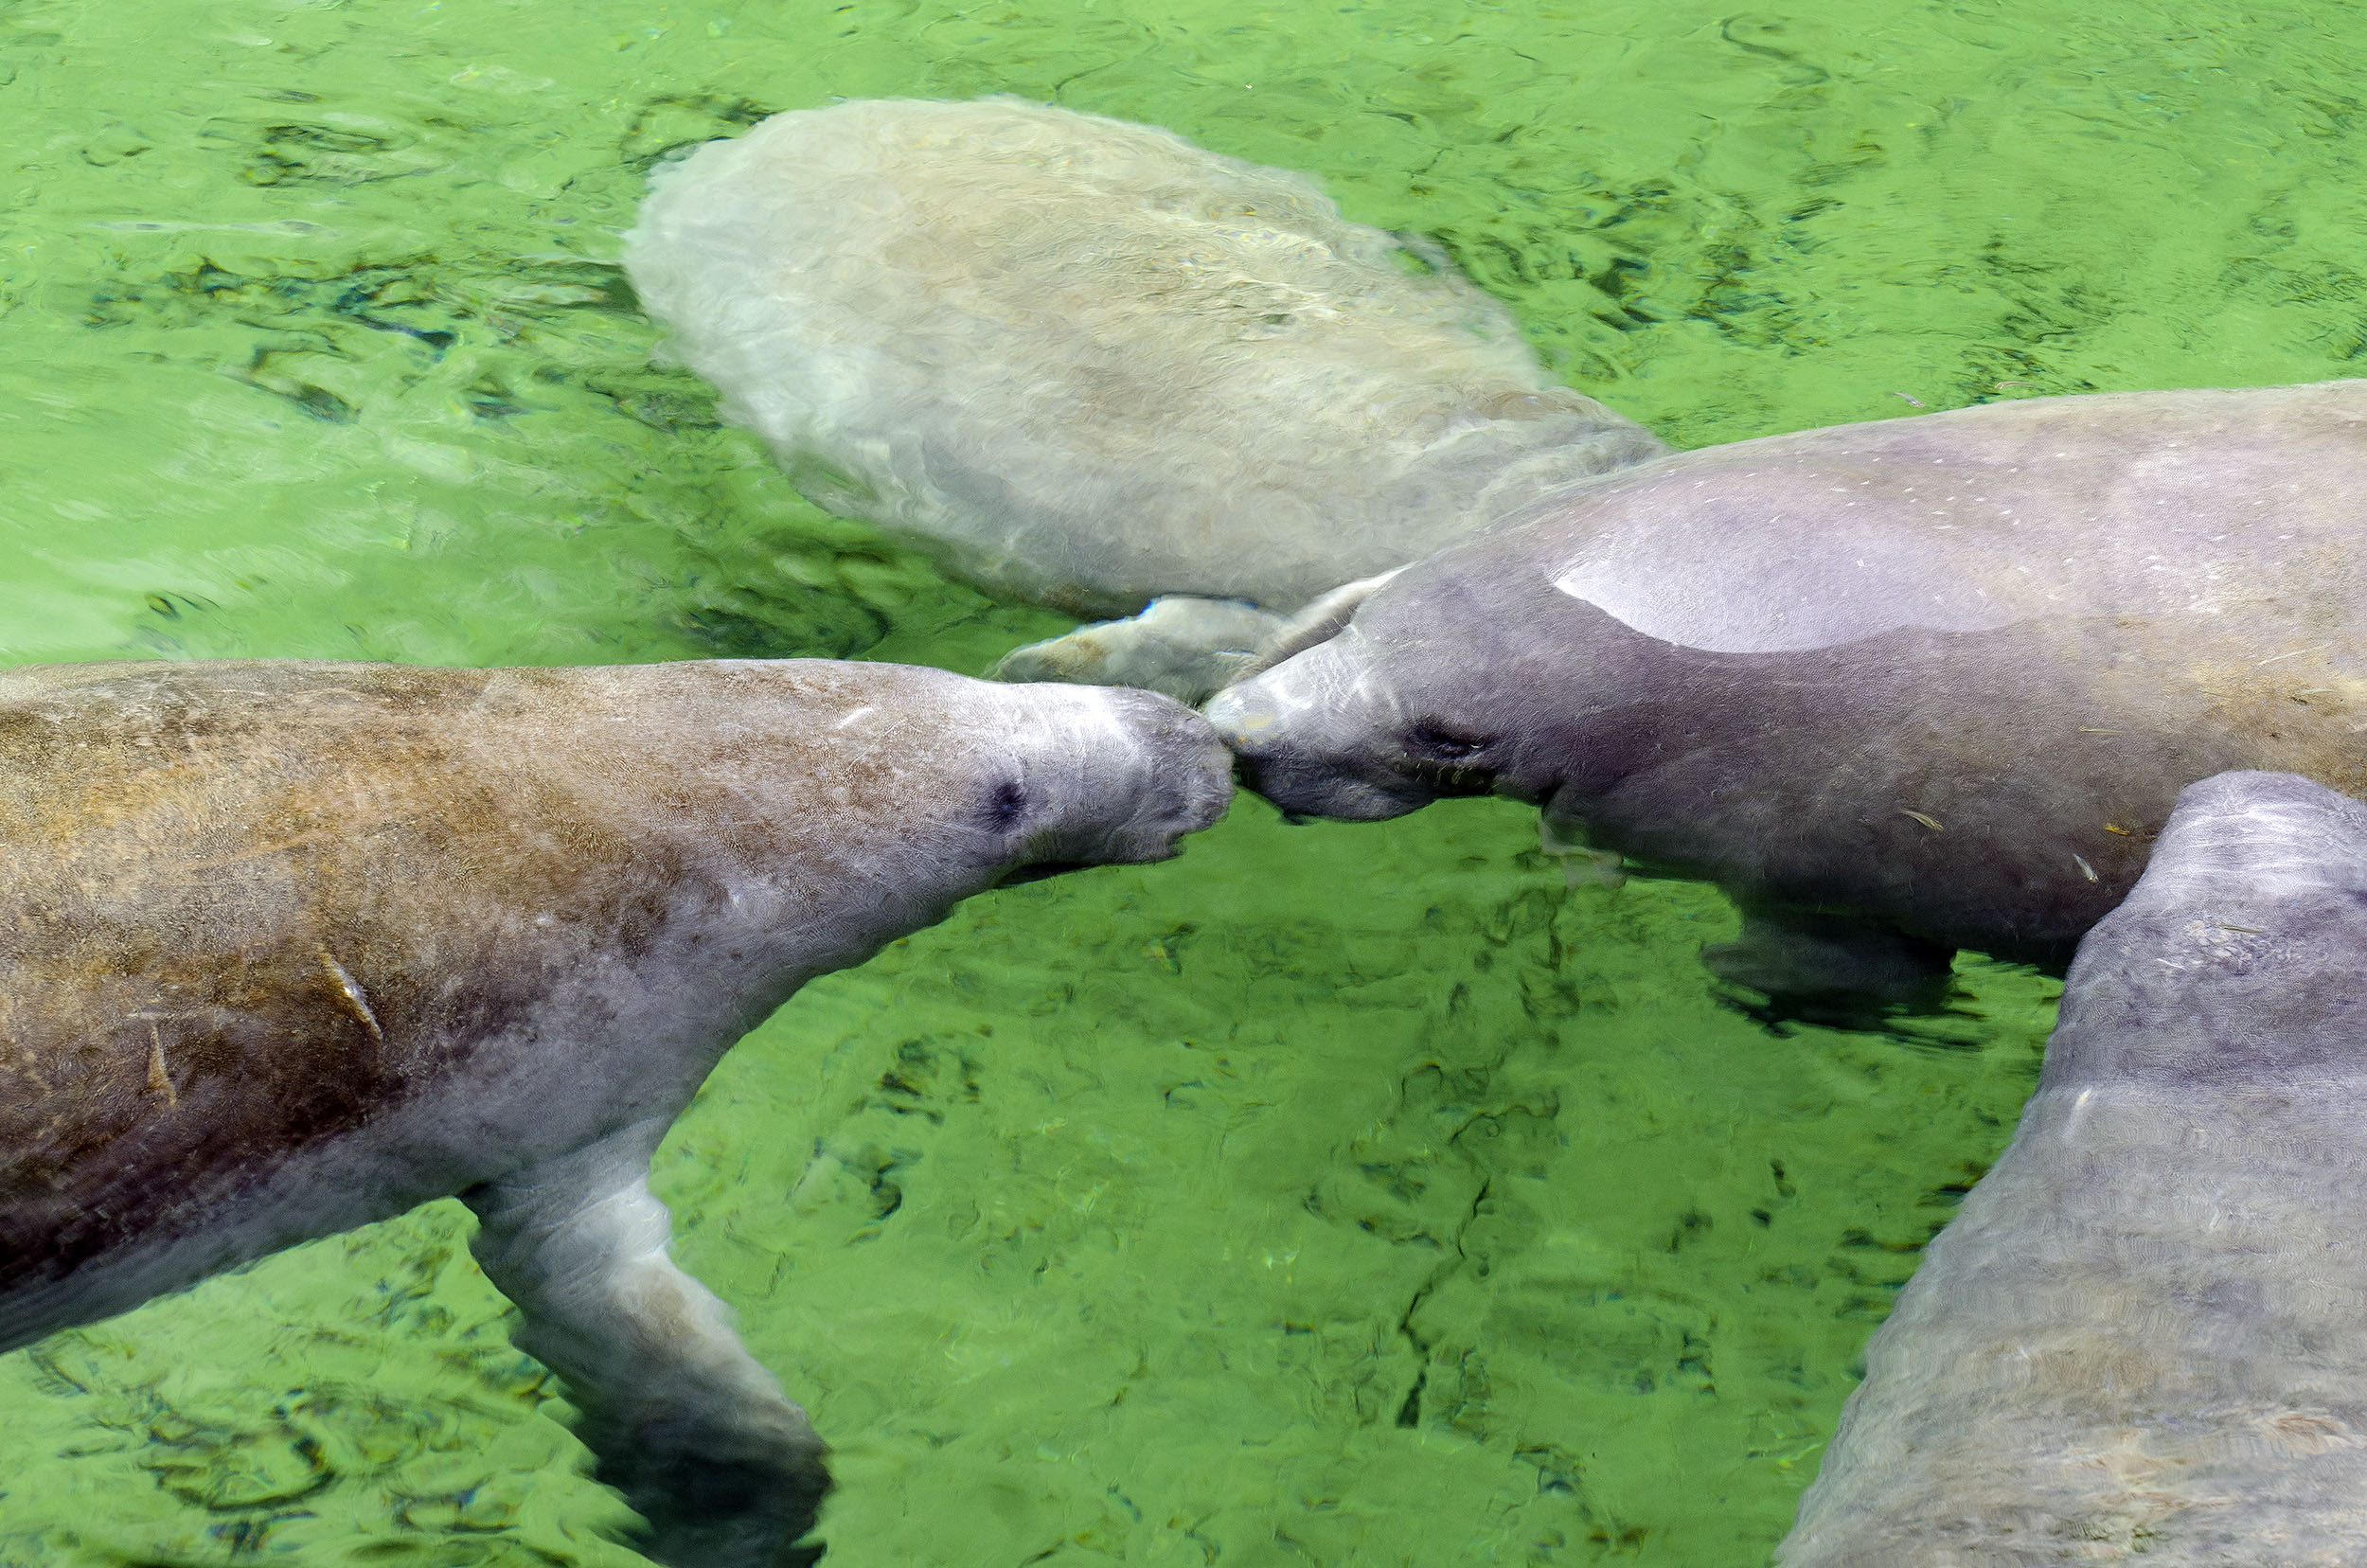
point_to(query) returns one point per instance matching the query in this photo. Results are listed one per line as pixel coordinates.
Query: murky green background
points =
(1334, 1195)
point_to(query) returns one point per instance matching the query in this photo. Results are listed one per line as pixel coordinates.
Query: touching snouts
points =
(1305, 757)
(1187, 769)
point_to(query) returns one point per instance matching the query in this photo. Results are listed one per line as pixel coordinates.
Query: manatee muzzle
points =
(1280, 752)
(1182, 776)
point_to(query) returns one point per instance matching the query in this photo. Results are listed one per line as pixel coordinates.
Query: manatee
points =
(1084, 363)
(2146, 1332)
(286, 948)
(1897, 688)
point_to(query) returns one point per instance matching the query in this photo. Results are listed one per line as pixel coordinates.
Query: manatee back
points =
(2147, 1332)
(2226, 506)
(1086, 362)
(408, 929)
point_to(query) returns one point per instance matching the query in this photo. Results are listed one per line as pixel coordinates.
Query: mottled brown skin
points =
(285, 948)
(250, 907)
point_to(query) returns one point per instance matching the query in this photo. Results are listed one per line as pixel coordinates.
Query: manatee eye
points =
(1005, 806)
(1434, 737)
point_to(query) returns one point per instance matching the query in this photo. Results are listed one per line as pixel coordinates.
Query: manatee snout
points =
(1309, 756)
(1180, 781)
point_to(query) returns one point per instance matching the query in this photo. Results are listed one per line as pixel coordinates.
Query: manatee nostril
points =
(1444, 743)
(1006, 805)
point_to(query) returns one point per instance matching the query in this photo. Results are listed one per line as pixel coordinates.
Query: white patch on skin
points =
(1820, 538)
(351, 990)
(159, 1078)
(2078, 1113)
(1741, 611)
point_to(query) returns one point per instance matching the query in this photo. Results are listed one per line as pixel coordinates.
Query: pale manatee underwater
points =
(1087, 365)
(2145, 1335)
(287, 948)
(1897, 689)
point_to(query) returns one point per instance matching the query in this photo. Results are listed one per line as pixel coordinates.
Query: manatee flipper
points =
(686, 1424)
(1832, 970)
(2141, 1334)
(1318, 621)
(1185, 647)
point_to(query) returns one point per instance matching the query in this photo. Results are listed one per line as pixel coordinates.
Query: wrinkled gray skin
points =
(2147, 1330)
(288, 948)
(1897, 688)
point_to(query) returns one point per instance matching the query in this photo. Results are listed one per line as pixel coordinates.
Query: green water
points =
(1334, 1195)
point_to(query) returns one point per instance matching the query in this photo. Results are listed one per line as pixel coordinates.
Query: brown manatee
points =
(2145, 1333)
(1897, 688)
(286, 948)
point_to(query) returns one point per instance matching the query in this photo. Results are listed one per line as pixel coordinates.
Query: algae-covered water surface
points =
(1335, 1194)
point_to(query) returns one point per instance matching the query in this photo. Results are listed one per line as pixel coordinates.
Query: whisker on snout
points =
(1447, 779)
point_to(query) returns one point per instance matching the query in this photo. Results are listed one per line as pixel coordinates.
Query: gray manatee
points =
(1085, 364)
(1897, 688)
(2146, 1332)
(288, 948)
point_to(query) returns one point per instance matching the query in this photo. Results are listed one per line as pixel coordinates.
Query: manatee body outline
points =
(1086, 364)
(1898, 688)
(2143, 1332)
(286, 948)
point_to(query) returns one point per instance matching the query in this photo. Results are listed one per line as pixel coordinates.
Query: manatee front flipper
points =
(1834, 970)
(1317, 621)
(1185, 647)
(698, 1437)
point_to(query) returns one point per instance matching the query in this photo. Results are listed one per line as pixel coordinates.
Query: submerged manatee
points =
(287, 948)
(2145, 1333)
(1897, 688)
(1085, 364)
